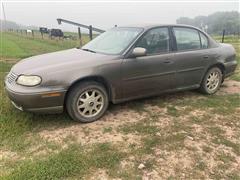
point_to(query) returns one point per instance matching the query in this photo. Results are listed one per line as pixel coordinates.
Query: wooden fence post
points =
(33, 33)
(223, 36)
(80, 36)
(90, 32)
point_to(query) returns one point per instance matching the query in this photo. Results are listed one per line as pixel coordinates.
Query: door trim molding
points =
(149, 76)
(191, 69)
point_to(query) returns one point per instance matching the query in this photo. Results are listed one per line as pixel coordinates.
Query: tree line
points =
(215, 23)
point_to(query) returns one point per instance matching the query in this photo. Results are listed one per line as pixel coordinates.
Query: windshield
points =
(113, 41)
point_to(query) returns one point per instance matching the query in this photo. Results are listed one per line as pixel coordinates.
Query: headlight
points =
(26, 80)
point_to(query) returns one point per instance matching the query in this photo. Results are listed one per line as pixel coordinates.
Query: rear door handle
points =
(205, 57)
(167, 61)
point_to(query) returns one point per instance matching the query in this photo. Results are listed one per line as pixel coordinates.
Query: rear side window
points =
(155, 41)
(204, 40)
(187, 38)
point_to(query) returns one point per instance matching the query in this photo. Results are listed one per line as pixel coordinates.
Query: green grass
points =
(5, 67)
(226, 158)
(149, 143)
(172, 111)
(217, 104)
(206, 149)
(215, 131)
(107, 129)
(71, 162)
(16, 46)
(200, 165)
(14, 125)
(105, 156)
(227, 38)
(222, 140)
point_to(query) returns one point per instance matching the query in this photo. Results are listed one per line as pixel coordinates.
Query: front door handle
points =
(205, 57)
(167, 62)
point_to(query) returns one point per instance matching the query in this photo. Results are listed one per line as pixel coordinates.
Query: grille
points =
(11, 77)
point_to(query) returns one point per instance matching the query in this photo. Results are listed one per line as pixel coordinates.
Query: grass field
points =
(184, 135)
(16, 46)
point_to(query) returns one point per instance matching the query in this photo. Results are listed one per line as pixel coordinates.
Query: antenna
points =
(4, 15)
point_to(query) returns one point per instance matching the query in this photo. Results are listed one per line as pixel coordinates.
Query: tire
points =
(87, 102)
(212, 81)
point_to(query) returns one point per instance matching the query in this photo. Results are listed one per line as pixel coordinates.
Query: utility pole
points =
(4, 17)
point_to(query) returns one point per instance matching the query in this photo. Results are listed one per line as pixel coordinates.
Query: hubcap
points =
(213, 80)
(90, 103)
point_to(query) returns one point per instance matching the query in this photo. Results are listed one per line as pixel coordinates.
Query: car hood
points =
(56, 61)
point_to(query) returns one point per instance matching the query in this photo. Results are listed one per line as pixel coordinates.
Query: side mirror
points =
(139, 51)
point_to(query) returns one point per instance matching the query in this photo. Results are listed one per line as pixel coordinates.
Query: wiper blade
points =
(89, 50)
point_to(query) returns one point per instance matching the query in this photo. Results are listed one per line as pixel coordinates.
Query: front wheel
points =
(212, 81)
(87, 102)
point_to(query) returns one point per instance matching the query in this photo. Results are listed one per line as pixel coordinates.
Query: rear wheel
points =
(87, 102)
(212, 81)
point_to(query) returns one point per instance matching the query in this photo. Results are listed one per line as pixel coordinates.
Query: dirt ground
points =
(187, 150)
(230, 87)
(167, 163)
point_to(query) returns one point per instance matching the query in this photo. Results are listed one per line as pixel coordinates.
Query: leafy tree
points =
(215, 23)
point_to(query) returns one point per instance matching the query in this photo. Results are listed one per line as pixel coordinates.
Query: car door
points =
(153, 73)
(191, 57)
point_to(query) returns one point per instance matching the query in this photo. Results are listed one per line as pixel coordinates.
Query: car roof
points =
(149, 26)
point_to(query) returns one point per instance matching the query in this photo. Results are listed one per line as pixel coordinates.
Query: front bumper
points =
(50, 101)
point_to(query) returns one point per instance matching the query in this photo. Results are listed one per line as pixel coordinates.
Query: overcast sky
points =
(106, 14)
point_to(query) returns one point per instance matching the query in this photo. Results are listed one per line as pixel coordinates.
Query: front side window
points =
(204, 40)
(113, 41)
(187, 38)
(155, 41)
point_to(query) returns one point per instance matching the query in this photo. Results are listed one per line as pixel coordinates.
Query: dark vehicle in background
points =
(56, 33)
(121, 64)
(43, 30)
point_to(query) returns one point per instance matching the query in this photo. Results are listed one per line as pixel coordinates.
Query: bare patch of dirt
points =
(164, 122)
(8, 155)
(9, 60)
(41, 150)
(197, 113)
(104, 130)
(156, 109)
(230, 87)
(98, 175)
(128, 163)
(169, 162)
